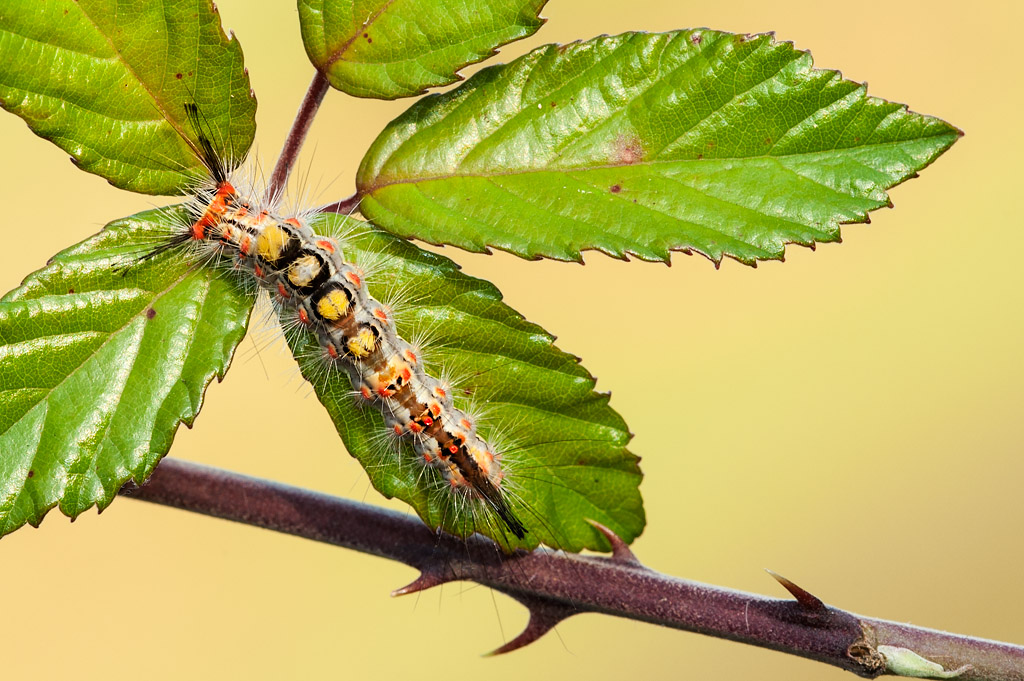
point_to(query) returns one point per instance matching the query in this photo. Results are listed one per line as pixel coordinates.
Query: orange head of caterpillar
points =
(223, 200)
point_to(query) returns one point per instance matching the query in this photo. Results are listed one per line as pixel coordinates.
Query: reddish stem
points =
(296, 136)
(555, 585)
(345, 206)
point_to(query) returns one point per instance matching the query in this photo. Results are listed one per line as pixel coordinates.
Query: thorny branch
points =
(555, 585)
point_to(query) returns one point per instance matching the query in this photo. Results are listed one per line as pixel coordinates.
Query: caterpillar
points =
(308, 278)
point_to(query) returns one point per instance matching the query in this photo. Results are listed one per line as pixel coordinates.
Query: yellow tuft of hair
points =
(362, 344)
(333, 306)
(271, 242)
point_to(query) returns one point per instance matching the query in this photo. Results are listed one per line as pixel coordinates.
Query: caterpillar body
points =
(307, 275)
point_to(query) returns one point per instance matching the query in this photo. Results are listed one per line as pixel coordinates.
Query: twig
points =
(555, 585)
(296, 136)
(345, 206)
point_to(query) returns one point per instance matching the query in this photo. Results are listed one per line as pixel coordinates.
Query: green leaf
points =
(564, 448)
(642, 144)
(107, 80)
(98, 366)
(388, 49)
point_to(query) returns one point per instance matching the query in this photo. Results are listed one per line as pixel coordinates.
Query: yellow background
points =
(849, 418)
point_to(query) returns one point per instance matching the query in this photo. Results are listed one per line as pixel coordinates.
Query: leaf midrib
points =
(371, 188)
(158, 103)
(338, 53)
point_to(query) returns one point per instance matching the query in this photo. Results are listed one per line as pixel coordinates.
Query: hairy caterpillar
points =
(307, 276)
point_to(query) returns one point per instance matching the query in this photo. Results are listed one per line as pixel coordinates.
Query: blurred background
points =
(849, 418)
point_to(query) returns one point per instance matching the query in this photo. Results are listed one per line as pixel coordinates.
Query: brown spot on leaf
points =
(178, 76)
(696, 38)
(768, 141)
(150, 313)
(31, 474)
(71, 290)
(628, 150)
(615, 188)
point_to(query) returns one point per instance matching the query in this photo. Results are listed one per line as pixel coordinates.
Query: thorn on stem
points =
(621, 553)
(544, 615)
(806, 599)
(425, 581)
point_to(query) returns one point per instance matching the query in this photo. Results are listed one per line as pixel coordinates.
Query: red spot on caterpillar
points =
(465, 424)
(427, 457)
(428, 420)
(293, 222)
(258, 271)
(627, 150)
(406, 374)
(283, 291)
(326, 245)
(244, 245)
(380, 314)
(615, 188)
(415, 427)
(365, 392)
(454, 449)
(398, 429)
(439, 391)
(303, 317)
(435, 409)
(332, 351)
(353, 278)
(410, 356)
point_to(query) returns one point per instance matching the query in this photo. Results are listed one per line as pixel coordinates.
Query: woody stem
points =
(556, 585)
